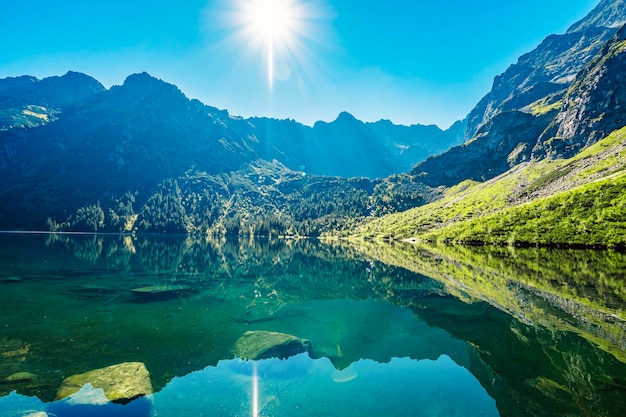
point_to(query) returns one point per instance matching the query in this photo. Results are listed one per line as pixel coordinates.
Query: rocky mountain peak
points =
(342, 118)
(142, 79)
(51, 92)
(145, 85)
(608, 13)
(345, 117)
(550, 68)
(16, 82)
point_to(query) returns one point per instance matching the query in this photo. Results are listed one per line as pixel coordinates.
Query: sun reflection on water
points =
(255, 390)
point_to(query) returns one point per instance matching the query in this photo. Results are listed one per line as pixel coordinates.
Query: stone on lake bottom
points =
(121, 383)
(20, 377)
(255, 345)
(161, 292)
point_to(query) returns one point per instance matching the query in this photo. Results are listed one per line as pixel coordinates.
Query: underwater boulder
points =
(121, 383)
(161, 292)
(19, 377)
(255, 345)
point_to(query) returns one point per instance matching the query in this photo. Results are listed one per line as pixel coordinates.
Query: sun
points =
(284, 36)
(271, 19)
(274, 25)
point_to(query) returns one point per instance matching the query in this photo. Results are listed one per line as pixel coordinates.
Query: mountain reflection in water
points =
(541, 332)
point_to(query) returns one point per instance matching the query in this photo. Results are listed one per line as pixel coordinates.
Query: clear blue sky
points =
(419, 61)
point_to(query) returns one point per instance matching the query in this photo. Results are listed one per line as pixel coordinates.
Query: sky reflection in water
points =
(297, 386)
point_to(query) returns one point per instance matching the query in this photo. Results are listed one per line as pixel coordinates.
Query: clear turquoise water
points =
(386, 340)
(298, 386)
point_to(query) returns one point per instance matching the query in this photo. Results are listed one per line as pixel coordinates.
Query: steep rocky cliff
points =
(594, 106)
(504, 141)
(563, 96)
(548, 70)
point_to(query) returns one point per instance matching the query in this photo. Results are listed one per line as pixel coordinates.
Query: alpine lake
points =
(332, 329)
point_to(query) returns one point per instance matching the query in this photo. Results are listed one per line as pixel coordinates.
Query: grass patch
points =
(590, 215)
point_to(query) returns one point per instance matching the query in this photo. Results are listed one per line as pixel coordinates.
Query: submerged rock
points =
(20, 377)
(13, 350)
(161, 292)
(255, 345)
(11, 280)
(121, 383)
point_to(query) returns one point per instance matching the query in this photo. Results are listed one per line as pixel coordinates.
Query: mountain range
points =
(143, 157)
(345, 147)
(77, 156)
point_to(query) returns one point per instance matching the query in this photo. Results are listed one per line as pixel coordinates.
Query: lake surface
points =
(396, 330)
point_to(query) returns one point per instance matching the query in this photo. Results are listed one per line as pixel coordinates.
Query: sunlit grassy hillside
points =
(576, 201)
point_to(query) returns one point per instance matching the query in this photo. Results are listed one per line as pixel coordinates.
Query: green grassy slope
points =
(576, 201)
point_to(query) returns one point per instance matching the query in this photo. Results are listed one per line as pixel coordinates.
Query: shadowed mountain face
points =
(157, 114)
(128, 138)
(503, 142)
(67, 143)
(52, 92)
(348, 147)
(27, 102)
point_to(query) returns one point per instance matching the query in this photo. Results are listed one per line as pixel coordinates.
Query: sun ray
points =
(273, 22)
(274, 29)
(272, 47)
(255, 390)
(270, 65)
